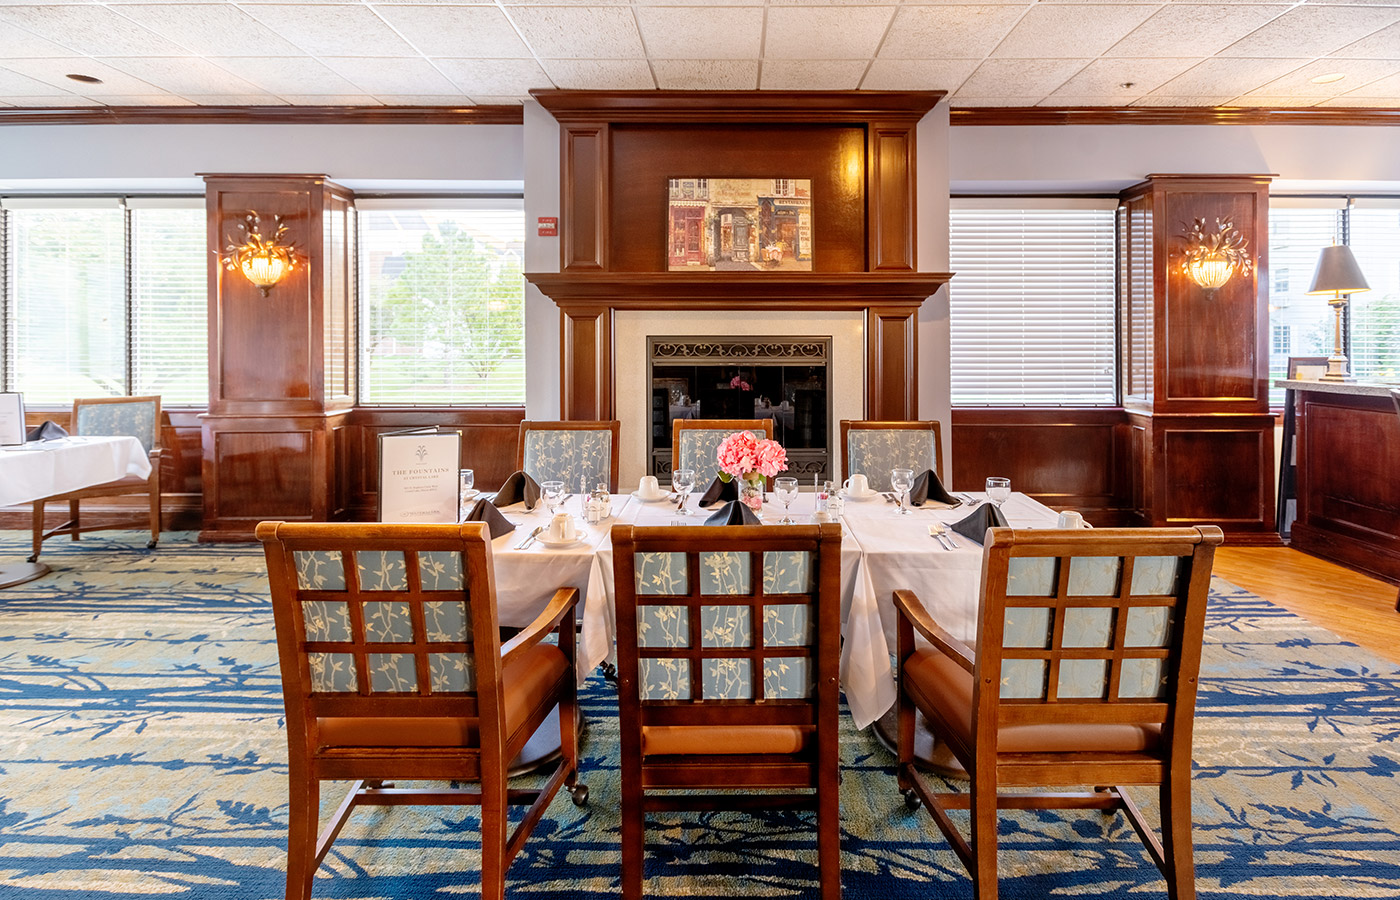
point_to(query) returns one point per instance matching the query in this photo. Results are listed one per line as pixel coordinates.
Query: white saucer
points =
(547, 541)
(471, 494)
(861, 498)
(657, 499)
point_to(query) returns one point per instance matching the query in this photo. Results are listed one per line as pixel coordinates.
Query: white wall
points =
(931, 168)
(541, 163)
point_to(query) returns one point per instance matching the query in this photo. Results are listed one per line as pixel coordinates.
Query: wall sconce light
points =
(1337, 274)
(1212, 258)
(263, 261)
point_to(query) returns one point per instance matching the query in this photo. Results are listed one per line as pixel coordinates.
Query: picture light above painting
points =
(740, 225)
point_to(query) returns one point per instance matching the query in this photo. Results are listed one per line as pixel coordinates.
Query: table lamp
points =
(1337, 274)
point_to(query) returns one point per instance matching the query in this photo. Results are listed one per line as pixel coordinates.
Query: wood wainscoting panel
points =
(891, 359)
(263, 475)
(892, 238)
(585, 179)
(586, 369)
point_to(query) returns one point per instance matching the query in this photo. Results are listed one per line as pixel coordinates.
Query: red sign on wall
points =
(549, 226)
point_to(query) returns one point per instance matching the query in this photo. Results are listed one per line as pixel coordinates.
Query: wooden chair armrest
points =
(561, 605)
(913, 612)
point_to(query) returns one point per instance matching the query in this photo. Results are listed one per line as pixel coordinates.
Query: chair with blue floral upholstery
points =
(874, 448)
(1085, 670)
(393, 668)
(695, 443)
(728, 645)
(137, 417)
(580, 454)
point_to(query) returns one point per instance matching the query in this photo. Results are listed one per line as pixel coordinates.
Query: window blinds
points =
(169, 309)
(1032, 306)
(1300, 325)
(1375, 315)
(442, 305)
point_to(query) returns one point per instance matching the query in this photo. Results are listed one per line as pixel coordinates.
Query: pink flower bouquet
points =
(740, 384)
(743, 455)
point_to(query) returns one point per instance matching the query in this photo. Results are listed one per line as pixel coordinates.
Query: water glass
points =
(682, 482)
(902, 481)
(786, 489)
(465, 479)
(553, 495)
(998, 490)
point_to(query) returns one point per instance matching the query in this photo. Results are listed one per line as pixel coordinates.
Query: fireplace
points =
(782, 379)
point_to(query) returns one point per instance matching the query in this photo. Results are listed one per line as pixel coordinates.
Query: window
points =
(1032, 303)
(104, 298)
(1283, 341)
(1375, 315)
(1296, 234)
(442, 302)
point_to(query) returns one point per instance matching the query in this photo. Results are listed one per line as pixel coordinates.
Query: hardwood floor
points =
(1358, 608)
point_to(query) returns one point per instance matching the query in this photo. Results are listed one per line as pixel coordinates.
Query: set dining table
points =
(881, 552)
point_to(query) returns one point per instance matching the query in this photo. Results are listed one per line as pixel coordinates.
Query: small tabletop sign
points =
(418, 476)
(11, 418)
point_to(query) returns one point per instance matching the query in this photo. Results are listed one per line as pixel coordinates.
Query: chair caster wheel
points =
(33, 559)
(150, 545)
(911, 799)
(579, 794)
(609, 672)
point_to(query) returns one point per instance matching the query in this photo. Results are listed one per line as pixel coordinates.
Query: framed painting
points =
(739, 225)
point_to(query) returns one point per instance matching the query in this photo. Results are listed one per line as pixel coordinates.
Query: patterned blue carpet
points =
(141, 753)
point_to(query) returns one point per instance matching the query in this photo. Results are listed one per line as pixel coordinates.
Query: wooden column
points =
(281, 367)
(1195, 362)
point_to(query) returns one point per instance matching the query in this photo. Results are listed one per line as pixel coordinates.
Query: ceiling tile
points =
(1313, 31)
(1189, 30)
(1020, 77)
(17, 84)
(15, 42)
(917, 74)
(330, 99)
(1381, 45)
(94, 30)
(948, 32)
(424, 100)
(695, 33)
(40, 101)
(236, 99)
(1106, 77)
(1070, 31)
(146, 100)
(558, 32)
(600, 74)
(53, 72)
(209, 30)
(1358, 72)
(825, 32)
(1228, 77)
(497, 76)
(1269, 100)
(1060, 98)
(1160, 99)
(478, 32)
(183, 75)
(391, 76)
(706, 74)
(641, 4)
(490, 100)
(1353, 101)
(333, 30)
(282, 75)
(1384, 87)
(961, 102)
(811, 74)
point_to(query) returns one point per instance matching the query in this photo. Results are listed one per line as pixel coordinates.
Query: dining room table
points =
(881, 552)
(38, 469)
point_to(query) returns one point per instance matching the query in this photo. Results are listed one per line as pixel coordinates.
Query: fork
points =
(945, 535)
(935, 532)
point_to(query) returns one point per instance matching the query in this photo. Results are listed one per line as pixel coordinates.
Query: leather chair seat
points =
(528, 683)
(942, 690)
(663, 740)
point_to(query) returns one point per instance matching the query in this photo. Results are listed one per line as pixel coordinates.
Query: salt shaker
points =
(602, 499)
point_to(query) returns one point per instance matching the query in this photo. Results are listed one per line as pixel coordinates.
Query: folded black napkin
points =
(719, 491)
(46, 432)
(496, 524)
(518, 486)
(974, 526)
(927, 486)
(733, 513)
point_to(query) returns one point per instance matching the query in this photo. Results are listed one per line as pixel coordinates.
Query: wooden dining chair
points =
(728, 645)
(137, 417)
(1085, 670)
(695, 443)
(580, 454)
(393, 668)
(873, 448)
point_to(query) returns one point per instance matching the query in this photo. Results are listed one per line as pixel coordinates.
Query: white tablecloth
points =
(46, 468)
(880, 553)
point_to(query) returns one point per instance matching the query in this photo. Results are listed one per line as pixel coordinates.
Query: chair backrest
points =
(695, 443)
(1092, 626)
(384, 620)
(728, 626)
(137, 417)
(576, 453)
(874, 448)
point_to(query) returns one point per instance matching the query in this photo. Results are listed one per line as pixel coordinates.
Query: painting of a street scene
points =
(740, 224)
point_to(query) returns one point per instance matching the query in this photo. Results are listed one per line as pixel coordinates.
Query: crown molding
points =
(264, 115)
(1171, 115)
(735, 106)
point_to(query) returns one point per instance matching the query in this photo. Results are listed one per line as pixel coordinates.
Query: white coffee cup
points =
(857, 485)
(1071, 519)
(649, 488)
(821, 516)
(562, 527)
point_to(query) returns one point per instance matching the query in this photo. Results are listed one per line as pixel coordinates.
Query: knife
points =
(529, 538)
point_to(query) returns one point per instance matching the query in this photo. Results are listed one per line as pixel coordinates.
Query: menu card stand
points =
(418, 473)
(11, 418)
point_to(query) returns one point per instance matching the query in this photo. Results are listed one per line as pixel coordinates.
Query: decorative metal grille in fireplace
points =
(783, 379)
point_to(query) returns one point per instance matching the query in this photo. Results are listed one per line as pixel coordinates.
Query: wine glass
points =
(553, 495)
(786, 489)
(682, 481)
(998, 490)
(902, 480)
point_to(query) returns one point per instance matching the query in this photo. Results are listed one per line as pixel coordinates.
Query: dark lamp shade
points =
(1337, 271)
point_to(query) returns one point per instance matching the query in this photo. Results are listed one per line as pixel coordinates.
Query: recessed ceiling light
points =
(85, 79)
(1128, 84)
(1330, 78)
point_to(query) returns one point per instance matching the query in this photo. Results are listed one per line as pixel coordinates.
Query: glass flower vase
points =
(751, 492)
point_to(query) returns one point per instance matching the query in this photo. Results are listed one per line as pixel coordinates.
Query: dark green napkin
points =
(719, 491)
(496, 524)
(927, 486)
(518, 486)
(974, 526)
(733, 513)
